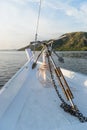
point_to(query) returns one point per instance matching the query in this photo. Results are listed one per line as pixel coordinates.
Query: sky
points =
(18, 19)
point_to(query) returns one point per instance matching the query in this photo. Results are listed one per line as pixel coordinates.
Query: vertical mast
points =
(37, 25)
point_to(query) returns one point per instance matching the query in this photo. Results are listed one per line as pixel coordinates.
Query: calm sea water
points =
(12, 61)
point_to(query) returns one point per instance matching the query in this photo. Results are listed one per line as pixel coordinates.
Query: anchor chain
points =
(66, 107)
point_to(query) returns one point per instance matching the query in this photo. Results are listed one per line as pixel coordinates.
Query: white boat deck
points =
(26, 105)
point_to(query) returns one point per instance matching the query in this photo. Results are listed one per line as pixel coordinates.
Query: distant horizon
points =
(16, 49)
(18, 20)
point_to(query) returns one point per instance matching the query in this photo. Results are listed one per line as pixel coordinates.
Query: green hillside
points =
(75, 41)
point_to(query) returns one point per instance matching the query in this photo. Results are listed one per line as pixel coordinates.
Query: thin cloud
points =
(18, 25)
(18, 20)
(80, 13)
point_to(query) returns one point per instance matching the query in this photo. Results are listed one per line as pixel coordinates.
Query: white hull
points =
(26, 105)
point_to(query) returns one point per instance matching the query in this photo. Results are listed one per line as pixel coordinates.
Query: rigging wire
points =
(37, 25)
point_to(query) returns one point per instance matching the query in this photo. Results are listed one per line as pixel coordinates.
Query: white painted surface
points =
(26, 105)
(29, 53)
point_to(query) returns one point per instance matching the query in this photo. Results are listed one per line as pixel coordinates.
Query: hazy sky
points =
(18, 20)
